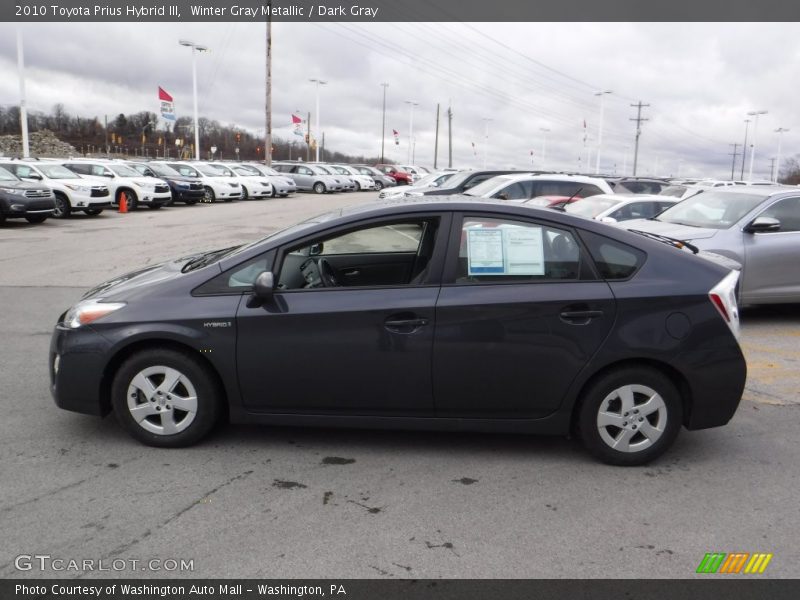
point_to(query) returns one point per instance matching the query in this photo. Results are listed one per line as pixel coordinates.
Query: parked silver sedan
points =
(757, 226)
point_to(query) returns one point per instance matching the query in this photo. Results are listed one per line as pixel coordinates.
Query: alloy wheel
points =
(162, 400)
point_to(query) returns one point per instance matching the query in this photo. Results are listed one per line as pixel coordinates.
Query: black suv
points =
(22, 200)
(184, 189)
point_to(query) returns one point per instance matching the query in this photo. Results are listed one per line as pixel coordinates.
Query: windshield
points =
(123, 171)
(246, 171)
(675, 191)
(7, 175)
(369, 171)
(591, 207)
(57, 172)
(459, 178)
(485, 187)
(713, 209)
(164, 170)
(185, 170)
(433, 179)
(214, 171)
(319, 170)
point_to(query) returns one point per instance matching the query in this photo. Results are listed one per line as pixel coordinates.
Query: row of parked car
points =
(36, 189)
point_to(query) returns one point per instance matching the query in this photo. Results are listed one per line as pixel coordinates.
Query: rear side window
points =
(614, 260)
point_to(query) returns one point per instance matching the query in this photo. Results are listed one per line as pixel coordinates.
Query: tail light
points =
(723, 297)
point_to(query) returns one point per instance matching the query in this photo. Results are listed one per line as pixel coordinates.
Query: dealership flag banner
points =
(167, 105)
(298, 125)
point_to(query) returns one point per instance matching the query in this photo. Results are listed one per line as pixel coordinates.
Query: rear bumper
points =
(716, 385)
(82, 355)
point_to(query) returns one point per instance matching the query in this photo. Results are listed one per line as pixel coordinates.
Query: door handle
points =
(352, 273)
(580, 317)
(405, 325)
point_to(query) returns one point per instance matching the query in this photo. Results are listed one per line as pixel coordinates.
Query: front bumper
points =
(158, 199)
(76, 383)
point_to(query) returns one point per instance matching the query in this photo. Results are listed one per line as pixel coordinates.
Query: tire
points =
(358, 187)
(133, 200)
(245, 194)
(209, 196)
(36, 219)
(640, 430)
(63, 208)
(151, 382)
(379, 185)
(93, 212)
(274, 193)
(319, 188)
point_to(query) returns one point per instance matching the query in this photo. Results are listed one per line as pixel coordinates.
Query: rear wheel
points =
(165, 398)
(379, 185)
(36, 219)
(358, 187)
(319, 188)
(62, 208)
(630, 416)
(245, 194)
(93, 211)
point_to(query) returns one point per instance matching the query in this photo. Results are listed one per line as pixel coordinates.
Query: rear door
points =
(519, 315)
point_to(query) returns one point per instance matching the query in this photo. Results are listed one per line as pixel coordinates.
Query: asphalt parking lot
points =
(279, 502)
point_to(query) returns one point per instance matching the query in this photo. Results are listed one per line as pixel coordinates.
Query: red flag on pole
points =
(296, 119)
(162, 95)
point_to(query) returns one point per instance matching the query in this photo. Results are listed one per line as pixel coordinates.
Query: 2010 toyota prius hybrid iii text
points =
(443, 314)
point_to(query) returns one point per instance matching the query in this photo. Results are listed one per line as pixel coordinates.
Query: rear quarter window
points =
(614, 260)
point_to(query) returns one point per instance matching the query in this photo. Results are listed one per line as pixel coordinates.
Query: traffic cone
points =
(123, 202)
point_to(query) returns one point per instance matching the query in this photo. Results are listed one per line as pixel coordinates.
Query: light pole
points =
(544, 131)
(411, 105)
(600, 129)
(754, 114)
(23, 102)
(744, 147)
(317, 82)
(383, 122)
(779, 131)
(195, 49)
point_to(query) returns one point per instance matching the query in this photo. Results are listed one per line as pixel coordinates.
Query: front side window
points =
(787, 211)
(499, 250)
(521, 190)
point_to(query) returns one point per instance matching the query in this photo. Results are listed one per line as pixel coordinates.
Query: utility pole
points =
(600, 129)
(23, 103)
(107, 146)
(383, 126)
(450, 137)
(308, 145)
(744, 146)
(317, 82)
(268, 136)
(779, 131)
(772, 167)
(638, 120)
(734, 154)
(755, 114)
(411, 105)
(436, 140)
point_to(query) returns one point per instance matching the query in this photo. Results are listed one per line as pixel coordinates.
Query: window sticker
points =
(505, 250)
(485, 251)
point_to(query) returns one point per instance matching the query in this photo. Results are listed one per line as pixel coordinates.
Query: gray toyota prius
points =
(441, 313)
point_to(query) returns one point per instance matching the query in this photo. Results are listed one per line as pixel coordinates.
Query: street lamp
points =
(383, 126)
(754, 114)
(600, 129)
(411, 105)
(317, 82)
(779, 131)
(195, 48)
(544, 131)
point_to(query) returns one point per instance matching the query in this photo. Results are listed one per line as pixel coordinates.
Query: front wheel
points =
(208, 195)
(245, 194)
(630, 416)
(379, 185)
(63, 208)
(165, 398)
(319, 188)
(130, 198)
(36, 219)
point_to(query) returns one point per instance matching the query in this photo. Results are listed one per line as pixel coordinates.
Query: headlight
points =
(14, 191)
(88, 311)
(79, 188)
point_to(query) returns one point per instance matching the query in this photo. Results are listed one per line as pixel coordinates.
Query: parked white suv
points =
(121, 178)
(253, 186)
(216, 184)
(72, 192)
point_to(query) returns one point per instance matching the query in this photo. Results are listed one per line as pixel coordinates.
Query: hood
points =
(686, 233)
(120, 287)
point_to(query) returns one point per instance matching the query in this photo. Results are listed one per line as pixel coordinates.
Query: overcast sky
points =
(700, 81)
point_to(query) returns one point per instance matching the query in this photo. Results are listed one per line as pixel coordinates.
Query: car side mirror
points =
(316, 249)
(608, 220)
(762, 225)
(35, 176)
(263, 290)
